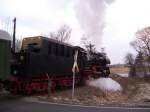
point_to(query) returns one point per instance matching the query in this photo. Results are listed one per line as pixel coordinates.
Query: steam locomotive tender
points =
(42, 58)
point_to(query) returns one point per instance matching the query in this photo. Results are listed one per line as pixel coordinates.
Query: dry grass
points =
(119, 70)
(135, 90)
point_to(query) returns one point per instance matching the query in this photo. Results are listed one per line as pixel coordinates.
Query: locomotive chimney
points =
(14, 34)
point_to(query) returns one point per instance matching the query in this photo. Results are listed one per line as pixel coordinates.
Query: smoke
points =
(106, 84)
(91, 16)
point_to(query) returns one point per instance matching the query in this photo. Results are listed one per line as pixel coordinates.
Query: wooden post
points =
(73, 83)
(49, 85)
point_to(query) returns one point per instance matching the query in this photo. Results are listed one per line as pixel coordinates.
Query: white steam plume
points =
(106, 84)
(91, 15)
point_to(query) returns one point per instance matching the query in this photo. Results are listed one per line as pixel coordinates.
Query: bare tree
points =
(129, 59)
(87, 44)
(140, 65)
(142, 41)
(53, 35)
(63, 34)
(142, 45)
(18, 45)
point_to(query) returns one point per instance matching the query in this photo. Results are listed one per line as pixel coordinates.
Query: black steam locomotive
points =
(42, 58)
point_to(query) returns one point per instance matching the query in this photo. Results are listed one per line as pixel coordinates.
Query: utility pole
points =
(14, 34)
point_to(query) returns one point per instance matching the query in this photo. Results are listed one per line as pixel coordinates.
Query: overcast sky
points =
(117, 19)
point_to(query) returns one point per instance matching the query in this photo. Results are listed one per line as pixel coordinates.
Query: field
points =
(119, 70)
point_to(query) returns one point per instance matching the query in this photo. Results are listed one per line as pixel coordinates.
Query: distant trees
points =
(63, 34)
(142, 42)
(18, 45)
(129, 61)
(140, 65)
(142, 45)
(87, 44)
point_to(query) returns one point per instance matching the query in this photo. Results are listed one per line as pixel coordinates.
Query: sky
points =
(108, 23)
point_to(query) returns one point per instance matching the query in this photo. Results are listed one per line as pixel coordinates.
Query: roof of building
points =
(4, 35)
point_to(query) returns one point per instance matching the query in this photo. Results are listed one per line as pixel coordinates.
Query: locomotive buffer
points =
(74, 69)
